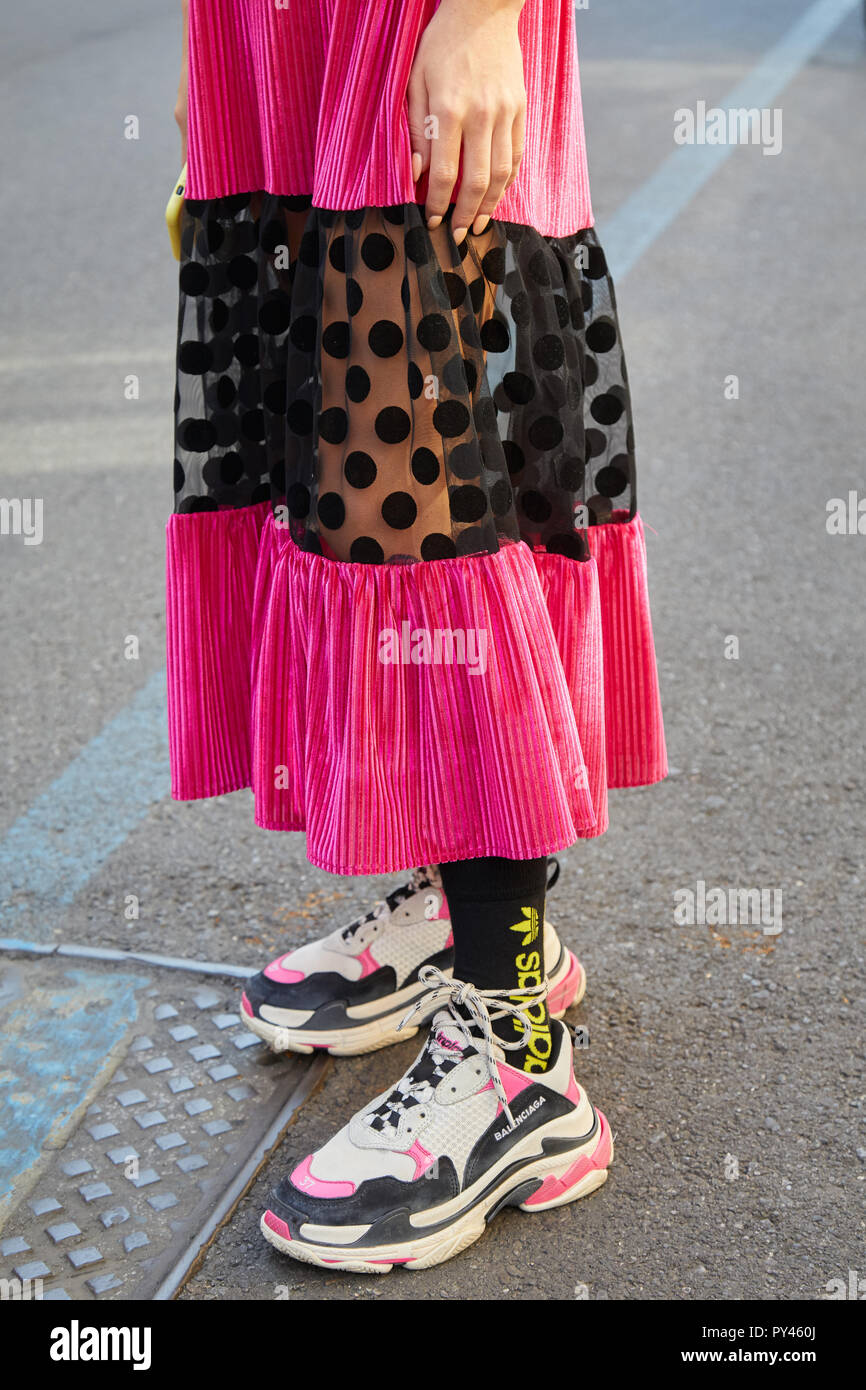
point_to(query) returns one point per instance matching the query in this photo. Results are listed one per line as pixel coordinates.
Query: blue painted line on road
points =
(653, 207)
(52, 851)
(55, 1041)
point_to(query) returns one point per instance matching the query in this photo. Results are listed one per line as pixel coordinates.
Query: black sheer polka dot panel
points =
(398, 398)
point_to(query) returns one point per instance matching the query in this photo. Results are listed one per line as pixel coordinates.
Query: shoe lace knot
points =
(484, 1007)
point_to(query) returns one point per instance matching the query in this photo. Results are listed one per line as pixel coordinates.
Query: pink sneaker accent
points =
(319, 1187)
(567, 990)
(246, 1006)
(449, 942)
(277, 1225)
(368, 964)
(513, 1082)
(597, 1160)
(422, 1158)
(277, 971)
(573, 1092)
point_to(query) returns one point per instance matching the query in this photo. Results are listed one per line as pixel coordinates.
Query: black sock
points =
(497, 915)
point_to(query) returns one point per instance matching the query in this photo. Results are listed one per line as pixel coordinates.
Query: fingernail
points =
(459, 234)
(481, 223)
(433, 221)
(416, 167)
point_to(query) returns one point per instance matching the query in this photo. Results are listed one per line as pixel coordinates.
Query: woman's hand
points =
(468, 75)
(180, 110)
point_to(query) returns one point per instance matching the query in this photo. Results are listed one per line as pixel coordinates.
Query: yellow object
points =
(173, 211)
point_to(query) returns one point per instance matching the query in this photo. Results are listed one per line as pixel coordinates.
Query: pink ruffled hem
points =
(275, 682)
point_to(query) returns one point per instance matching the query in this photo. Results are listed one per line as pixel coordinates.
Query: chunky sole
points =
(567, 987)
(564, 1178)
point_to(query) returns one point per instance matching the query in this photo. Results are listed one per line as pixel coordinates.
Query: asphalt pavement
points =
(729, 1056)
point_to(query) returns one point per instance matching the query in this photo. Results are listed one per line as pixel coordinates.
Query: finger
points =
(444, 163)
(474, 180)
(417, 97)
(518, 144)
(500, 171)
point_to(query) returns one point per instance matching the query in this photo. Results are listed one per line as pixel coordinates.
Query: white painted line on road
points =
(654, 206)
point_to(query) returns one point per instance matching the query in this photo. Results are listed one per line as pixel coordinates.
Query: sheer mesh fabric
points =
(396, 397)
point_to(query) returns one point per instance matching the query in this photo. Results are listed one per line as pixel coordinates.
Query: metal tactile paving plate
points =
(153, 1156)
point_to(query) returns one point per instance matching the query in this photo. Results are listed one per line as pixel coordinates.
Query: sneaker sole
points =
(567, 987)
(565, 1178)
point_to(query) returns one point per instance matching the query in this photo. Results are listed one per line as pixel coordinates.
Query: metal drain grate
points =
(161, 1156)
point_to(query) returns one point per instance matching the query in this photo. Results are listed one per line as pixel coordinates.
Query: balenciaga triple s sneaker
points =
(417, 1175)
(347, 992)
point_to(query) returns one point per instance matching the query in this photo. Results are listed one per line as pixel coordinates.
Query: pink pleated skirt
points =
(407, 587)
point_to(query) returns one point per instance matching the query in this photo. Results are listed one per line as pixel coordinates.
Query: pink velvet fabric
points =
(275, 682)
(310, 98)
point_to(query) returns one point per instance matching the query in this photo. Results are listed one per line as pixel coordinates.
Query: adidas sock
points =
(497, 915)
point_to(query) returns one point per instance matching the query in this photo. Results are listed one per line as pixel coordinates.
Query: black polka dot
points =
(495, 336)
(450, 418)
(337, 254)
(425, 466)
(197, 436)
(331, 511)
(385, 338)
(545, 432)
(194, 357)
(437, 546)
(519, 387)
(568, 543)
(514, 456)
(434, 332)
(360, 469)
(535, 505)
(493, 265)
(415, 381)
(354, 297)
(333, 425)
(606, 409)
(377, 251)
(467, 503)
(392, 424)
(366, 551)
(548, 352)
(601, 335)
(570, 473)
(335, 339)
(231, 469)
(275, 313)
(357, 384)
(611, 481)
(194, 278)
(455, 287)
(246, 349)
(399, 510)
(464, 460)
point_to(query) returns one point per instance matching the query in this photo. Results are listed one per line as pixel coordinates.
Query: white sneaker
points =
(347, 992)
(416, 1176)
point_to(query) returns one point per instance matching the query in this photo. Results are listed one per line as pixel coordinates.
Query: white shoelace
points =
(450, 994)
